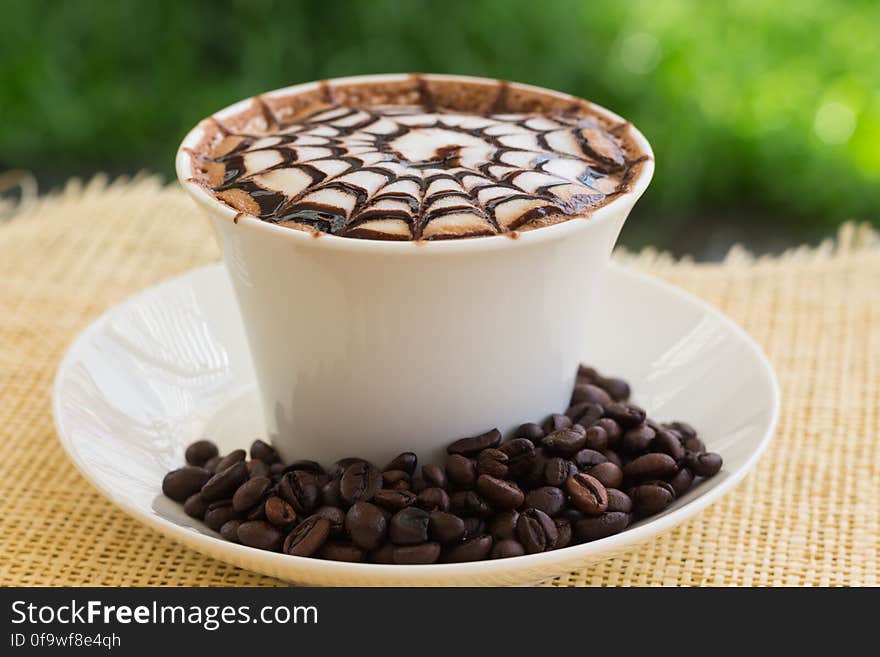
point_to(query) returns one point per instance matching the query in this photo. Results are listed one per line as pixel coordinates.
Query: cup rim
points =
(608, 212)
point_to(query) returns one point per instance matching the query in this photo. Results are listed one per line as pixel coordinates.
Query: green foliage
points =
(766, 111)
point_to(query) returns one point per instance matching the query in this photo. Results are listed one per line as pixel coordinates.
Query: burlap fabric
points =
(808, 515)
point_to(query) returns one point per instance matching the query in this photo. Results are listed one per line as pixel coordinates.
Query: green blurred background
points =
(764, 116)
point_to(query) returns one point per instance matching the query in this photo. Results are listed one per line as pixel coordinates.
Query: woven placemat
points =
(808, 515)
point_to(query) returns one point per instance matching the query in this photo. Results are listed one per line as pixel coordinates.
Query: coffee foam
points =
(399, 162)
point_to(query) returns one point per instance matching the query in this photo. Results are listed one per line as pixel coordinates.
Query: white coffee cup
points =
(369, 348)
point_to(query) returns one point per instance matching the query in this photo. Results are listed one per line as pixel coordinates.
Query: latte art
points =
(416, 172)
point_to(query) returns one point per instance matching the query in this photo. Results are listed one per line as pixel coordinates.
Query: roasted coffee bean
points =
(394, 500)
(608, 524)
(458, 502)
(256, 468)
(300, 489)
(259, 534)
(305, 465)
(612, 457)
(433, 499)
(574, 412)
(555, 422)
(655, 465)
(338, 468)
(589, 414)
(258, 512)
(588, 373)
(610, 475)
(571, 514)
(335, 516)
(219, 513)
(652, 497)
(587, 494)
(530, 431)
(383, 554)
(549, 499)
(475, 444)
(517, 447)
(359, 482)
(588, 392)
(230, 459)
(588, 458)
(565, 442)
(341, 551)
(557, 470)
(476, 505)
(618, 389)
(434, 475)
(506, 548)
(330, 495)
(200, 452)
(407, 461)
(366, 526)
(706, 464)
(473, 526)
(618, 501)
(492, 462)
(563, 528)
(684, 430)
(195, 506)
(181, 483)
(224, 484)
(416, 554)
(276, 470)
(612, 429)
(667, 442)
(503, 525)
(500, 494)
(461, 471)
(536, 531)
(682, 481)
(264, 452)
(308, 537)
(521, 456)
(402, 485)
(250, 493)
(472, 549)
(637, 439)
(596, 438)
(409, 526)
(533, 476)
(279, 512)
(229, 530)
(211, 464)
(445, 528)
(625, 414)
(392, 477)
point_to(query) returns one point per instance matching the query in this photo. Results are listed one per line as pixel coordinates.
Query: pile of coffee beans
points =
(575, 477)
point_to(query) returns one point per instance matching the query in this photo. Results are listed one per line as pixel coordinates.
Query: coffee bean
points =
(394, 500)
(416, 554)
(330, 495)
(596, 438)
(565, 442)
(625, 414)
(557, 470)
(555, 422)
(229, 530)
(407, 461)
(279, 512)
(693, 444)
(335, 516)
(231, 459)
(300, 489)
(655, 465)
(682, 481)
(338, 468)
(445, 528)
(588, 373)
(637, 439)
(611, 428)
(610, 475)
(200, 452)
(257, 512)
(587, 414)
(499, 493)
(517, 447)
(608, 524)
(507, 548)
(224, 484)
(366, 526)
(341, 551)
(612, 457)
(588, 458)
(433, 499)
(404, 485)
(472, 549)
(409, 526)
(533, 475)
(521, 456)
(684, 429)
(359, 482)
(530, 431)
(667, 442)
(461, 471)
(219, 513)
(549, 499)
(571, 514)
(259, 534)
(563, 529)
(536, 531)
(587, 493)
(308, 537)
(618, 389)
(264, 452)
(256, 468)
(652, 497)
(706, 464)
(588, 392)
(195, 506)
(476, 505)
(211, 464)
(492, 462)
(392, 477)
(383, 554)
(250, 493)
(181, 483)
(475, 444)
(473, 527)
(618, 501)
(305, 465)
(434, 475)
(503, 525)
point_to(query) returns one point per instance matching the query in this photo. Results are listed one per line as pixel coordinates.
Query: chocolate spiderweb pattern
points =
(412, 172)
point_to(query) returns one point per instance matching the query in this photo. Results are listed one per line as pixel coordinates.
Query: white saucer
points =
(170, 365)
